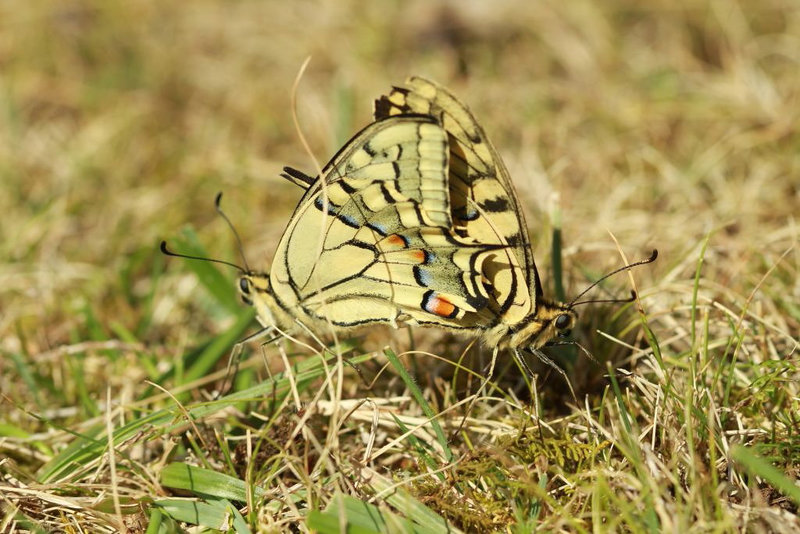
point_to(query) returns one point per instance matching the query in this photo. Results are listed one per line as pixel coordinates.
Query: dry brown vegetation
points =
(670, 125)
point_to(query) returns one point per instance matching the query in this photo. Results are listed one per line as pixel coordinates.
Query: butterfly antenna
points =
(600, 301)
(168, 252)
(217, 206)
(628, 267)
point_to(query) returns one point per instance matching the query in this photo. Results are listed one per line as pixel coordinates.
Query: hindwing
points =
(483, 201)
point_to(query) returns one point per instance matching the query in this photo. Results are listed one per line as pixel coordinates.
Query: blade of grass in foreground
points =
(426, 408)
(555, 255)
(360, 516)
(758, 466)
(357, 516)
(217, 514)
(217, 284)
(216, 490)
(401, 499)
(568, 355)
(420, 446)
(630, 447)
(206, 482)
(91, 445)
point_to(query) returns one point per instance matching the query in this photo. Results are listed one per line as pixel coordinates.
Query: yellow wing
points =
(372, 240)
(484, 205)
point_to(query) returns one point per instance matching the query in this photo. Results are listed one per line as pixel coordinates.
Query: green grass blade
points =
(412, 386)
(357, 516)
(211, 278)
(757, 466)
(206, 482)
(93, 443)
(402, 500)
(217, 514)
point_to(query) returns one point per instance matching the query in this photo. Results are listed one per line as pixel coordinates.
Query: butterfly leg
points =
(522, 363)
(235, 359)
(547, 361)
(573, 344)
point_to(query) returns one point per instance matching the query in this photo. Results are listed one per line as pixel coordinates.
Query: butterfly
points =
(414, 221)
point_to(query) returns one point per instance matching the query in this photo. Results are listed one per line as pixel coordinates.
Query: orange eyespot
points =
(432, 303)
(418, 255)
(396, 241)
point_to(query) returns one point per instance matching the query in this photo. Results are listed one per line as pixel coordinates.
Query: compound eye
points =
(563, 321)
(244, 285)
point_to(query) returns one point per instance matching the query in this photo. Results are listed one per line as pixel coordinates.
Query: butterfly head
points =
(550, 322)
(255, 290)
(564, 322)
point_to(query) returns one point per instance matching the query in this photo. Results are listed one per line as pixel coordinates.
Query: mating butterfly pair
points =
(414, 221)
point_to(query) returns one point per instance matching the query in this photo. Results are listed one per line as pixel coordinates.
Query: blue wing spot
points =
(349, 220)
(422, 276)
(379, 228)
(319, 205)
(466, 214)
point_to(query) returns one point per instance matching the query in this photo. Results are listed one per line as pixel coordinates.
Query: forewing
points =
(372, 241)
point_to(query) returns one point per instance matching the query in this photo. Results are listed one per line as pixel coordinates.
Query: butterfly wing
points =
(372, 240)
(484, 204)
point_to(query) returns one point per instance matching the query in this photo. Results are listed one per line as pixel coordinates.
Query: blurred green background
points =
(663, 122)
(119, 121)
